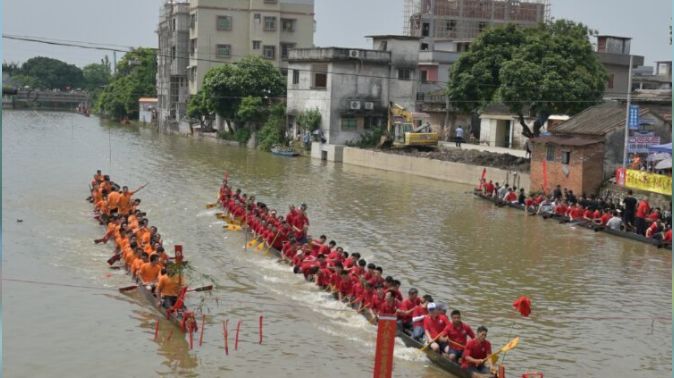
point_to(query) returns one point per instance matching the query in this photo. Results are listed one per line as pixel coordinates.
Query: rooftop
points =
(566, 140)
(331, 54)
(394, 36)
(597, 120)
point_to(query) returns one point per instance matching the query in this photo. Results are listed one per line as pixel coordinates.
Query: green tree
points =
(135, 78)
(252, 111)
(273, 131)
(535, 71)
(53, 73)
(199, 108)
(309, 120)
(97, 75)
(225, 86)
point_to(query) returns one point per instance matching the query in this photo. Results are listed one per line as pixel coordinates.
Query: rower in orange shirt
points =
(113, 200)
(125, 202)
(168, 288)
(149, 272)
(138, 263)
(110, 231)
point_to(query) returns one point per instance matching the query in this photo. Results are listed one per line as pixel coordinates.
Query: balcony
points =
(338, 54)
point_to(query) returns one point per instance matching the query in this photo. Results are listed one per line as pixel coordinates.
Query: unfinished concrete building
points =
(462, 20)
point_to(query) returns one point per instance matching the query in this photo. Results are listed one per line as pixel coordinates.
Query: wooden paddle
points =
(432, 341)
(127, 288)
(510, 345)
(211, 205)
(203, 288)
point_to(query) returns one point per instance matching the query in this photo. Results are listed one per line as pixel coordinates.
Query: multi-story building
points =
(173, 34)
(614, 54)
(352, 88)
(195, 35)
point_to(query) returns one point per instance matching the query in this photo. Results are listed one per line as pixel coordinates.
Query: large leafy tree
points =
(52, 73)
(135, 78)
(226, 86)
(535, 71)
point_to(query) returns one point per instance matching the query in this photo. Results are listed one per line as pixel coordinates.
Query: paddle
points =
(510, 345)
(432, 341)
(127, 288)
(203, 288)
(211, 205)
(272, 243)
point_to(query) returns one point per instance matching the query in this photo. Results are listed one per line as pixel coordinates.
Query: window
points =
(296, 76)
(257, 17)
(270, 24)
(371, 123)
(383, 45)
(173, 24)
(349, 124)
(173, 52)
(424, 76)
(425, 29)
(451, 25)
(193, 46)
(223, 51)
(320, 80)
(269, 52)
(193, 20)
(550, 152)
(424, 47)
(609, 85)
(566, 157)
(284, 49)
(256, 45)
(404, 74)
(287, 25)
(223, 23)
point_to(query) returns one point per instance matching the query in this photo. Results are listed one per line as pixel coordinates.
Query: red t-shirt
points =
(459, 334)
(560, 210)
(345, 286)
(407, 305)
(605, 218)
(510, 197)
(435, 326)
(588, 214)
(596, 214)
(653, 216)
(388, 308)
(642, 209)
(477, 350)
(418, 311)
(668, 235)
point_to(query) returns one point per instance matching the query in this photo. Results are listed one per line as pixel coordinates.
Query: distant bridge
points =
(48, 100)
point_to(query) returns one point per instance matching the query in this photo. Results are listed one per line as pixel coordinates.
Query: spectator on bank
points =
(458, 136)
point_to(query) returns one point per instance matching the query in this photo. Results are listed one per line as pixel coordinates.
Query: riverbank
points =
(424, 164)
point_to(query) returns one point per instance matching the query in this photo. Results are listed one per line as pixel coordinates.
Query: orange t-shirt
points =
(148, 273)
(135, 268)
(168, 286)
(124, 203)
(97, 196)
(113, 200)
(102, 206)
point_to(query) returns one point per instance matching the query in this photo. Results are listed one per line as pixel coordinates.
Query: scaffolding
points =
(466, 19)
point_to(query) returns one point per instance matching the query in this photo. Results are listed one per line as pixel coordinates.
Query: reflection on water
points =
(598, 301)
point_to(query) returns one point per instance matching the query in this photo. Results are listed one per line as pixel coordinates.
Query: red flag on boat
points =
(523, 305)
(482, 178)
(383, 357)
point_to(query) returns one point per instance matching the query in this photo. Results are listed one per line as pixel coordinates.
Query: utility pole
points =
(114, 62)
(627, 114)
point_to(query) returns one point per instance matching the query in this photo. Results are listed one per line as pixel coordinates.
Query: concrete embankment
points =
(431, 168)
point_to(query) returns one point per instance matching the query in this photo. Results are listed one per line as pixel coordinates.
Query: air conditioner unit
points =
(354, 105)
(354, 54)
(368, 105)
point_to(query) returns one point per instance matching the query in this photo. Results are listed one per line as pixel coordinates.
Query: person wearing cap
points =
(435, 324)
(458, 333)
(406, 308)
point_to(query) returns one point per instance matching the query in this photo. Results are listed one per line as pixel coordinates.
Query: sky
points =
(342, 23)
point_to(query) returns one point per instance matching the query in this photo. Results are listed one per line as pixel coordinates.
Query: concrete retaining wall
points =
(437, 169)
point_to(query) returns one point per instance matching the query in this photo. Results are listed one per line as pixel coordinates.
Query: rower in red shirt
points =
(389, 306)
(476, 352)
(434, 326)
(418, 315)
(458, 333)
(605, 217)
(407, 308)
(511, 196)
(344, 286)
(668, 235)
(561, 209)
(377, 300)
(655, 230)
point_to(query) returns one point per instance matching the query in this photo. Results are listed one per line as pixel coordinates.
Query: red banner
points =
(383, 357)
(620, 176)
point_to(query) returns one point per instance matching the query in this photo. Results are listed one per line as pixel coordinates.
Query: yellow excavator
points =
(407, 129)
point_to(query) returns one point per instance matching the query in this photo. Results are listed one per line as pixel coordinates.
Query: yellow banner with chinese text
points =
(648, 181)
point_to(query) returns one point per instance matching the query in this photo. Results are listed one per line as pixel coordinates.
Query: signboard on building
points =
(634, 117)
(638, 143)
(648, 181)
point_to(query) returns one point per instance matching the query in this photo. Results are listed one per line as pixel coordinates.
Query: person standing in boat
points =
(629, 207)
(643, 208)
(476, 352)
(169, 287)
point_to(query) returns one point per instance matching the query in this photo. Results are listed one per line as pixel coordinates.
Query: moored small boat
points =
(288, 152)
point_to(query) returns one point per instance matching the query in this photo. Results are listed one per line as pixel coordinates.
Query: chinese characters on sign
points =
(383, 358)
(634, 117)
(638, 143)
(648, 181)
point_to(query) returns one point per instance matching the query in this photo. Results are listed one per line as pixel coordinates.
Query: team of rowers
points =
(353, 280)
(631, 214)
(138, 245)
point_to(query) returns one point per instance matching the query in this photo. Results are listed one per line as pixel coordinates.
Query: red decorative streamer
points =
(236, 339)
(261, 319)
(201, 336)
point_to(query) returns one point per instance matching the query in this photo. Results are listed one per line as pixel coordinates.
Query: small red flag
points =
(523, 305)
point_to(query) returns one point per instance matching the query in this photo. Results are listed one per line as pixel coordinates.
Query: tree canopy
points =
(226, 86)
(535, 71)
(45, 73)
(135, 78)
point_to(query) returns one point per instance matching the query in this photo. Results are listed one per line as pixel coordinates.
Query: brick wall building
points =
(573, 162)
